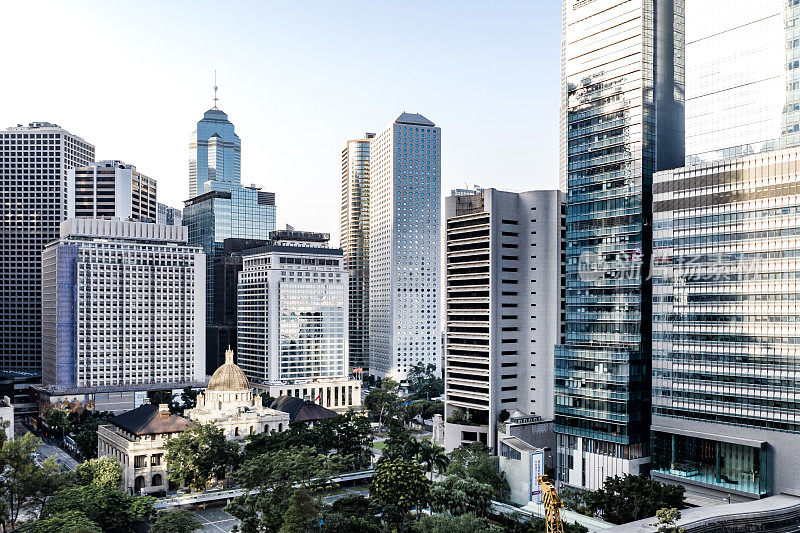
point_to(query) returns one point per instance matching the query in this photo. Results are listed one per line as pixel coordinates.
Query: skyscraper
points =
(726, 344)
(354, 240)
(623, 105)
(122, 304)
(220, 208)
(170, 216)
(33, 177)
(405, 215)
(503, 308)
(111, 189)
(215, 152)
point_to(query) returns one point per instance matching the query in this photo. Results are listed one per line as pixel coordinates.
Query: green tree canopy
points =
(66, 522)
(178, 521)
(112, 510)
(24, 484)
(399, 485)
(458, 496)
(198, 454)
(423, 383)
(301, 513)
(83, 426)
(453, 524)
(476, 461)
(104, 472)
(432, 457)
(628, 498)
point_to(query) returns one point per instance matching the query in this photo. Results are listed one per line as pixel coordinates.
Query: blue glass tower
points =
(221, 208)
(215, 152)
(622, 120)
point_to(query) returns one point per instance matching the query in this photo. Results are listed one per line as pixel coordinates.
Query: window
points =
(140, 461)
(155, 460)
(509, 452)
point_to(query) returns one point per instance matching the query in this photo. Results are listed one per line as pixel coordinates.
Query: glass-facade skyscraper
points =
(354, 240)
(215, 152)
(221, 208)
(726, 339)
(623, 120)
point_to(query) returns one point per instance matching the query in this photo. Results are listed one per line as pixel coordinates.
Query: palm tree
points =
(432, 456)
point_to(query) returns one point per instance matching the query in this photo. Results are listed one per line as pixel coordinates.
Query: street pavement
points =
(62, 458)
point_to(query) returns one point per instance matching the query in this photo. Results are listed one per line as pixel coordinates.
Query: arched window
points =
(280, 427)
(157, 481)
(138, 484)
(236, 431)
(251, 430)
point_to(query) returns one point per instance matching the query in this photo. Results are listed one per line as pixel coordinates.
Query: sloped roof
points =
(300, 409)
(414, 118)
(146, 420)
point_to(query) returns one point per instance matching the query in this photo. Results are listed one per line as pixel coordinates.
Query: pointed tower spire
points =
(229, 356)
(215, 90)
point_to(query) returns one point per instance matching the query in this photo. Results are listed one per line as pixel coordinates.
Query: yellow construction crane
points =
(552, 506)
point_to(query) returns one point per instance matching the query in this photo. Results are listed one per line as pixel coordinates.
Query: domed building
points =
(229, 404)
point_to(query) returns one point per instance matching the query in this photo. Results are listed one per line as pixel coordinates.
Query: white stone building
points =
(123, 303)
(405, 215)
(229, 404)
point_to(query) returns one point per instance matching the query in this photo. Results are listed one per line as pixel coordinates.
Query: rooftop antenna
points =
(215, 90)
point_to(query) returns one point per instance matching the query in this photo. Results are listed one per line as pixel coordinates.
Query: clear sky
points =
(297, 79)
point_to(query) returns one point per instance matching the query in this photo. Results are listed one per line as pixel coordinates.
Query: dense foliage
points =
(104, 472)
(199, 454)
(111, 510)
(398, 486)
(179, 521)
(628, 498)
(476, 461)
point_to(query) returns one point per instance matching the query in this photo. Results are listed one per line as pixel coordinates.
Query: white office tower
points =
(405, 215)
(33, 179)
(122, 303)
(504, 308)
(110, 189)
(292, 310)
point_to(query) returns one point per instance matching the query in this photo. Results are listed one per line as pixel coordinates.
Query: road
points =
(63, 458)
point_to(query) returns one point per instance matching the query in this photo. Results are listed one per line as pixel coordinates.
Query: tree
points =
(382, 403)
(458, 496)
(423, 382)
(432, 456)
(400, 443)
(301, 512)
(397, 486)
(112, 510)
(189, 398)
(667, 519)
(628, 498)
(24, 484)
(273, 477)
(198, 454)
(476, 461)
(58, 420)
(431, 408)
(83, 426)
(179, 521)
(503, 416)
(105, 472)
(453, 524)
(66, 522)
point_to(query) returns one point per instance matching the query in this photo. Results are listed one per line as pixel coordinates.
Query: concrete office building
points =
(110, 189)
(122, 303)
(622, 120)
(504, 308)
(292, 316)
(33, 178)
(404, 239)
(169, 216)
(354, 240)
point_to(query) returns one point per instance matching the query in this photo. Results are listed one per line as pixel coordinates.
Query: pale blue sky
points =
(297, 79)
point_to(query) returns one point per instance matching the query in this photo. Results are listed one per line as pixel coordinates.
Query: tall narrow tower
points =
(623, 106)
(405, 215)
(354, 240)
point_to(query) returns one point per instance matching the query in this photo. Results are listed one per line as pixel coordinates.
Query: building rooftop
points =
(413, 118)
(228, 377)
(150, 420)
(63, 391)
(300, 409)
